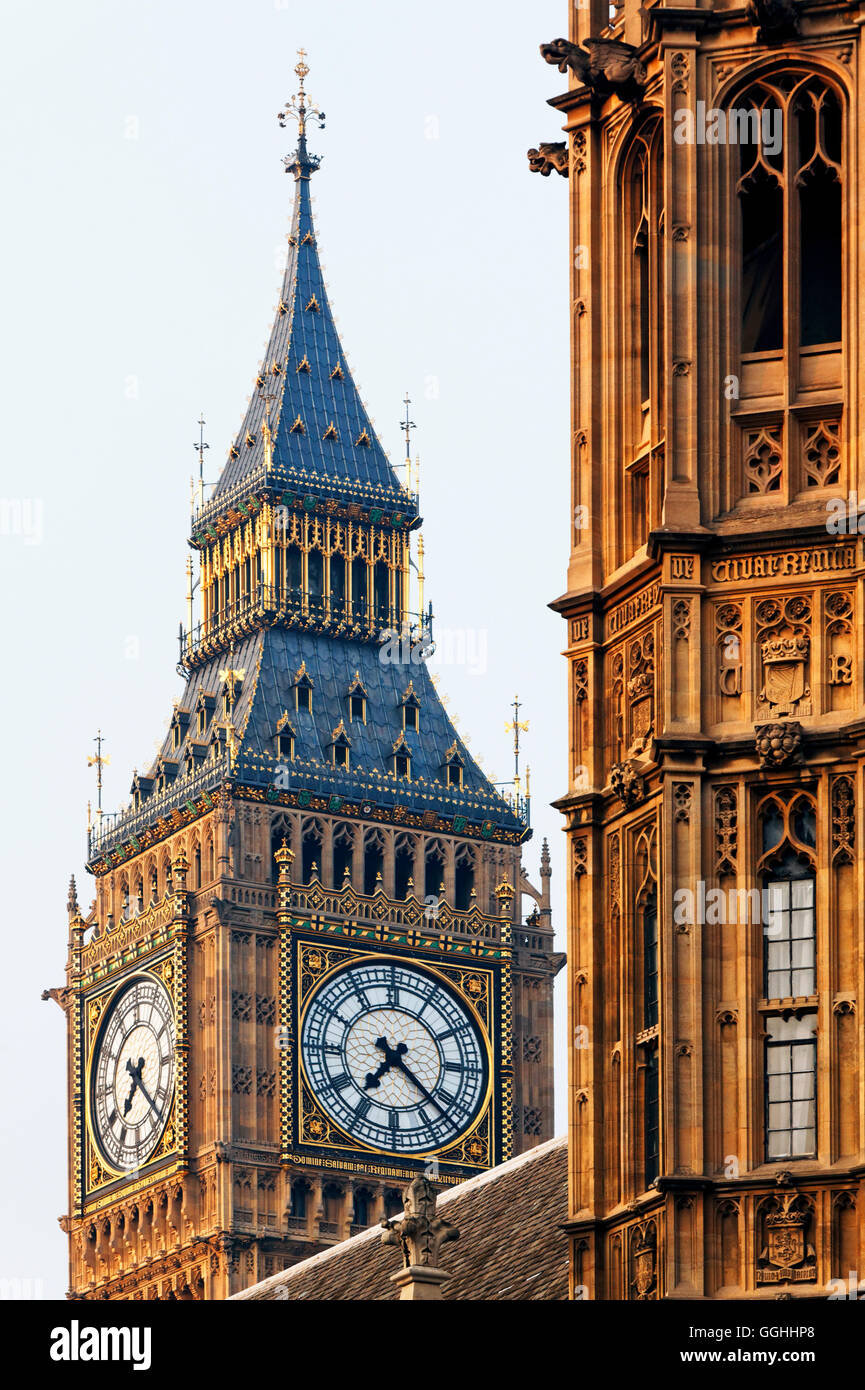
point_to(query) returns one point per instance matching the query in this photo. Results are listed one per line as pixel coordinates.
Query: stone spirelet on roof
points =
(510, 1246)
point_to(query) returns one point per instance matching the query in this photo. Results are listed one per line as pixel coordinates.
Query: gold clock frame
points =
(104, 1002)
(477, 1145)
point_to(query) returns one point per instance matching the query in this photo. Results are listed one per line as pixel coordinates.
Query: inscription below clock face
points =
(393, 1057)
(132, 1078)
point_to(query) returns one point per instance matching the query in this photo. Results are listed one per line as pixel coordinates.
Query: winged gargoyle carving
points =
(604, 65)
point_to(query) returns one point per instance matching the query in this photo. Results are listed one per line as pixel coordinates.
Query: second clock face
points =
(132, 1078)
(394, 1057)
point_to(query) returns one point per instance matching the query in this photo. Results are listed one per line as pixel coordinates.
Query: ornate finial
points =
(72, 898)
(284, 856)
(419, 1236)
(199, 449)
(505, 894)
(98, 761)
(301, 163)
(516, 727)
(546, 871)
(407, 425)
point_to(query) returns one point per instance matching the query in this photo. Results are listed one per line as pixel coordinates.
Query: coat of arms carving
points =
(786, 1257)
(785, 646)
(643, 1261)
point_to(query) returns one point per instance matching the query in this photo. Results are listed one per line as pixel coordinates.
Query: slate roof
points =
(312, 383)
(271, 660)
(510, 1247)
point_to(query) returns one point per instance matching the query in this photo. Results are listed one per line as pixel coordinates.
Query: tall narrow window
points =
(358, 585)
(790, 929)
(762, 202)
(294, 567)
(791, 1087)
(465, 879)
(315, 571)
(343, 854)
(651, 1118)
(311, 857)
(373, 863)
(819, 183)
(650, 961)
(788, 824)
(337, 578)
(403, 868)
(382, 590)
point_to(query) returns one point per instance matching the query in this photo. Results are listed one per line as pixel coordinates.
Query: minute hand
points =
(423, 1090)
(147, 1096)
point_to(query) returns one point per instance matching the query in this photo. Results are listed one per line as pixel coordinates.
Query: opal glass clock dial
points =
(394, 1057)
(132, 1075)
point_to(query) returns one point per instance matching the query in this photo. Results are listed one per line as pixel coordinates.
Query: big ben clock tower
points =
(305, 977)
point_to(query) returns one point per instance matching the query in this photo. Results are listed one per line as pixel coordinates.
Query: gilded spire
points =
(297, 108)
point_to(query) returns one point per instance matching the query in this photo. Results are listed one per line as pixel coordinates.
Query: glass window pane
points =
(778, 1059)
(803, 953)
(777, 1146)
(803, 1057)
(779, 955)
(779, 1116)
(779, 1088)
(802, 922)
(778, 894)
(803, 1142)
(803, 892)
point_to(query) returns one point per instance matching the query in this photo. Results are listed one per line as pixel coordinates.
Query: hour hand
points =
(135, 1073)
(392, 1058)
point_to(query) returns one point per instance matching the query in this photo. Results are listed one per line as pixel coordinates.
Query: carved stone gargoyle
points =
(419, 1236)
(776, 20)
(548, 157)
(627, 784)
(604, 65)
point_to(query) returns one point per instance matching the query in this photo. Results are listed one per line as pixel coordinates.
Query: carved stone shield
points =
(786, 1245)
(644, 1269)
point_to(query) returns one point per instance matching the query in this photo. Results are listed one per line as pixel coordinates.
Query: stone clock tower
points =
(306, 976)
(714, 612)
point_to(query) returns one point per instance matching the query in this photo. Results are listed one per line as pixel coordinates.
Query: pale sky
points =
(145, 211)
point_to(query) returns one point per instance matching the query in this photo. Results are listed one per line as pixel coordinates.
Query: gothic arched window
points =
(373, 862)
(788, 834)
(785, 146)
(789, 191)
(641, 291)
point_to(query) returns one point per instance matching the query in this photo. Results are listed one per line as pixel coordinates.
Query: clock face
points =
(132, 1076)
(394, 1057)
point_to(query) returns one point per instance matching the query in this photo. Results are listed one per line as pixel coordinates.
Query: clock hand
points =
(147, 1096)
(423, 1090)
(135, 1073)
(392, 1058)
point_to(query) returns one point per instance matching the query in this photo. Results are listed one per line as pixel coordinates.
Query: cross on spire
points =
(98, 761)
(199, 449)
(407, 425)
(516, 727)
